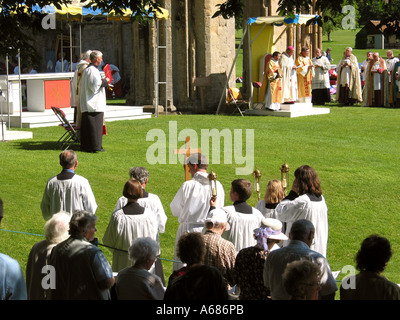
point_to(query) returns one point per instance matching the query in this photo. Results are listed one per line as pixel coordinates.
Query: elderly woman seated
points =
(136, 282)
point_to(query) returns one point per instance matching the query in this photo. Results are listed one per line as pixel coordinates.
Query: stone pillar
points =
(202, 47)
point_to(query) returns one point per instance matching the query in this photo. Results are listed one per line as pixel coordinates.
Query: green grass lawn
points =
(355, 151)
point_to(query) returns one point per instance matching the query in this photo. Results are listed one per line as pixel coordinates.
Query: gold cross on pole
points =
(187, 152)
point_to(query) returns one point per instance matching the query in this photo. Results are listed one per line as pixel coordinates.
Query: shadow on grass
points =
(42, 145)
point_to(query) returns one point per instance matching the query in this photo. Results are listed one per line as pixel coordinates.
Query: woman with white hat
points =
(250, 261)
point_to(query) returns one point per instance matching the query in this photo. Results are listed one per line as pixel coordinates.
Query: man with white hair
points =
(376, 85)
(220, 253)
(348, 79)
(93, 105)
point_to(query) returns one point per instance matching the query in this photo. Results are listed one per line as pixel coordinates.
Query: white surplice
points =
(390, 66)
(321, 75)
(289, 78)
(92, 92)
(346, 72)
(303, 208)
(242, 226)
(67, 195)
(123, 229)
(153, 203)
(266, 212)
(376, 75)
(191, 205)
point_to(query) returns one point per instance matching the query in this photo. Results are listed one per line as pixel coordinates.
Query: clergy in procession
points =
(376, 84)
(67, 191)
(390, 63)
(348, 79)
(151, 201)
(128, 224)
(271, 90)
(242, 217)
(305, 72)
(192, 201)
(289, 77)
(320, 83)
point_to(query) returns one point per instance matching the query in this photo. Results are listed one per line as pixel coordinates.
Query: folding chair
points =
(71, 131)
(235, 99)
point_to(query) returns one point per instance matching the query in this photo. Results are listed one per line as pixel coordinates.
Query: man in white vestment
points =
(67, 191)
(242, 217)
(348, 79)
(289, 76)
(192, 201)
(93, 105)
(320, 84)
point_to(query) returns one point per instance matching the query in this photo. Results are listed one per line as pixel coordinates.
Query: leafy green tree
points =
(370, 10)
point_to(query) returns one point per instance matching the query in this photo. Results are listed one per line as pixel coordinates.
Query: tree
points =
(232, 8)
(331, 25)
(18, 20)
(370, 10)
(391, 17)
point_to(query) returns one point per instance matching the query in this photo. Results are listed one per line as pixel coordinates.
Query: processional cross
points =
(187, 152)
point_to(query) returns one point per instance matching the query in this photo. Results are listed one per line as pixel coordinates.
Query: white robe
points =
(92, 93)
(289, 78)
(303, 208)
(320, 79)
(153, 203)
(390, 66)
(376, 76)
(242, 226)
(191, 205)
(266, 212)
(67, 195)
(346, 72)
(123, 229)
